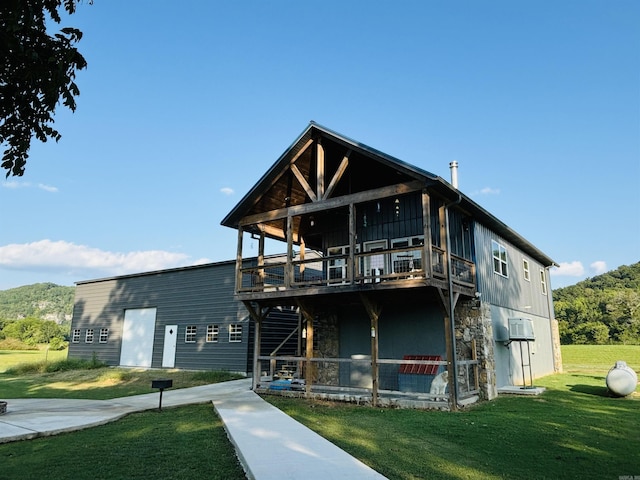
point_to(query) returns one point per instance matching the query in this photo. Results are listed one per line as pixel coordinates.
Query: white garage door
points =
(137, 337)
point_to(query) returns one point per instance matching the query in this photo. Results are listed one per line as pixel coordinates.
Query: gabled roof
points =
(368, 169)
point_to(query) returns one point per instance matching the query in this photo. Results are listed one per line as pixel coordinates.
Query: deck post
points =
(374, 310)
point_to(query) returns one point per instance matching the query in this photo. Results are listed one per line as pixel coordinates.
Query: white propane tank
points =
(621, 379)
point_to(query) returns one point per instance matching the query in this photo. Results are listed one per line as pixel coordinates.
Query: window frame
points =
(104, 335)
(235, 333)
(500, 264)
(543, 282)
(213, 333)
(190, 333)
(526, 270)
(88, 335)
(75, 335)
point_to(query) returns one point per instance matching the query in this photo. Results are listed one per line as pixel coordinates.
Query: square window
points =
(212, 333)
(190, 334)
(104, 335)
(235, 333)
(88, 338)
(75, 338)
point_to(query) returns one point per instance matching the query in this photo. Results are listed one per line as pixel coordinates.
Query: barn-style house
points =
(397, 276)
(374, 281)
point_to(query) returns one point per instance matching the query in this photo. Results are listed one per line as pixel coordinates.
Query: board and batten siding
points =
(513, 296)
(192, 296)
(513, 291)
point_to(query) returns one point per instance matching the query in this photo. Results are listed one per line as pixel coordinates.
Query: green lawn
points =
(11, 358)
(178, 443)
(574, 430)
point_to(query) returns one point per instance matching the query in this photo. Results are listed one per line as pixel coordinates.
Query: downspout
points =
(452, 322)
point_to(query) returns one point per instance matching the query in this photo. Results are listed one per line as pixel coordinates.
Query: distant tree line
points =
(36, 314)
(31, 332)
(601, 310)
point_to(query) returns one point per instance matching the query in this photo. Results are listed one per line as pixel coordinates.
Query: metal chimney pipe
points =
(454, 173)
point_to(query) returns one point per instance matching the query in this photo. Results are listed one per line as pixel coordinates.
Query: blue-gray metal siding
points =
(514, 291)
(515, 297)
(197, 296)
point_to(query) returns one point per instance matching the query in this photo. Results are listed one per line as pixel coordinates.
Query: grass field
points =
(11, 358)
(575, 430)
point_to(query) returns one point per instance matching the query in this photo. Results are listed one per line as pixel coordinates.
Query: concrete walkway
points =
(269, 444)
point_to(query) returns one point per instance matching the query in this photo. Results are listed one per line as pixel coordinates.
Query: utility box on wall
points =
(521, 329)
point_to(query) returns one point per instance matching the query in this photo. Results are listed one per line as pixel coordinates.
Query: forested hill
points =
(46, 301)
(601, 309)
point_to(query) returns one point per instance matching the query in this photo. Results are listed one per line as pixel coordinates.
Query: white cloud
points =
(227, 190)
(599, 267)
(68, 257)
(569, 269)
(486, 191)
(15, 185)
(47, 188)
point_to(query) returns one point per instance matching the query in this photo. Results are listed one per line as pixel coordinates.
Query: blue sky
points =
(184, 105)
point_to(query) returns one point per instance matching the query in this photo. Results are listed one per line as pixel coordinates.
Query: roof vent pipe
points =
(454, 173)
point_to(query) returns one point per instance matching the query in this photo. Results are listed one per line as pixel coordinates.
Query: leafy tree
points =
(33, 331)
(37, 70)
(602, 309)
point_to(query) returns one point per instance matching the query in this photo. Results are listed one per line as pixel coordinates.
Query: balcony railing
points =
(353, 377)
(398, 264)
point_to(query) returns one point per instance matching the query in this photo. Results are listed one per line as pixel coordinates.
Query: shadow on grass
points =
(591, 390)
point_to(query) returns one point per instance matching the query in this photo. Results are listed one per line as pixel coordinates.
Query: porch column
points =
(351, 269)
(373, 309)
(257, 371)
(374, 360)
(239, 260)
(308, 377)
(426, 228)
(256, 314)
(289, 270)
(308, 374)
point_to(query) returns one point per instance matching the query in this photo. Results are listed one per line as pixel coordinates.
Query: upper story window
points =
(235, 333)
(543, 282)
(190, 334)
(212, 333)
(499, 258)
(89, 336)
(525, 270)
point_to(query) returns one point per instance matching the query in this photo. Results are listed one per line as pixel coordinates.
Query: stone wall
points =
(473, 322)
(327, 334)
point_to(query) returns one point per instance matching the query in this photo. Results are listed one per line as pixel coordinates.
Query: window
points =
(104, 335)
(410, 259)
(499, 258)
(212, 333)
(190, 334)
(525, 269)
(338, 269)
(543, 282)
(75, 338)
(235, 333)
(88, 338)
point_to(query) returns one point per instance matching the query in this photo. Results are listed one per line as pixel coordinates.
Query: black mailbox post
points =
(161, 384)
